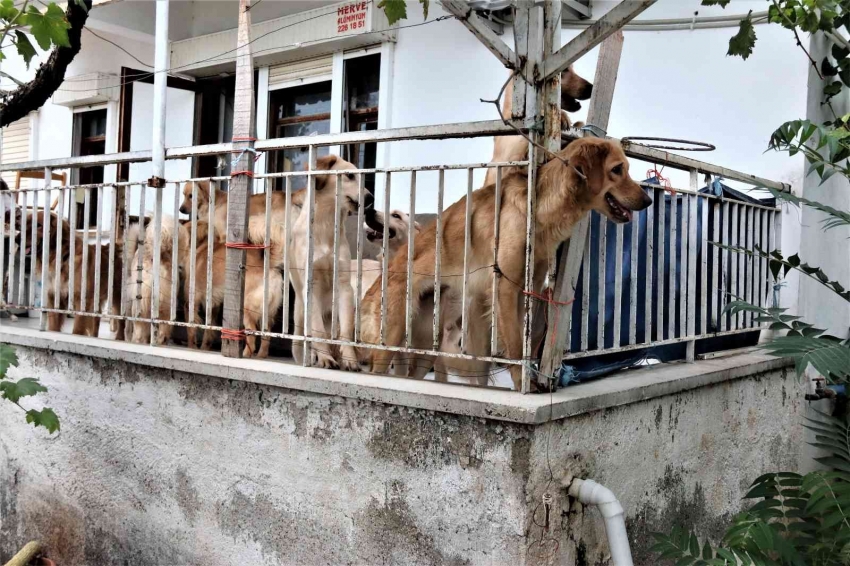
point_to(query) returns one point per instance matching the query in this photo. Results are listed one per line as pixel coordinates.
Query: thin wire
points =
(214, 58)
(139, 61)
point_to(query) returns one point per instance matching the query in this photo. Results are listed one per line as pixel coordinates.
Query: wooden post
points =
(240, 186)
(571, 256)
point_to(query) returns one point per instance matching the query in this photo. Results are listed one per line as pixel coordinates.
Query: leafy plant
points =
(14, 391)
(396, 10)
(796, 520)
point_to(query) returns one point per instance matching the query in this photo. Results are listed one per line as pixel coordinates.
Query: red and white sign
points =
(351, 17)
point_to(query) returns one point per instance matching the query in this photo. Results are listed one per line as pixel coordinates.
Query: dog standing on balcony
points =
(86, 325)
(589, 174)
(324, 233)
(140, 284)
(515, 148)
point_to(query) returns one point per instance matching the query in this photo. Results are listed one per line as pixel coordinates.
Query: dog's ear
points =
(588, 160)
(324, 163)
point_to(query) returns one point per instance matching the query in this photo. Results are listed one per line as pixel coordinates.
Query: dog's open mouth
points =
(619, 212)
(376, 236)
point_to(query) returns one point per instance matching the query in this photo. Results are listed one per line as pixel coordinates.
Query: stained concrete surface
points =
(156, 466)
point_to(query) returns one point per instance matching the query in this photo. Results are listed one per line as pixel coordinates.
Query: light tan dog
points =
(253, 301)
(140, 284)
(515, 148)
(256, 214)
(596, 178)
(319, 319)
(93, 302)
(397, 237)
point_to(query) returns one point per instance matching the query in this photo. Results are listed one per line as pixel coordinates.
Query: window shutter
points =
(15, 148)
(302, 72)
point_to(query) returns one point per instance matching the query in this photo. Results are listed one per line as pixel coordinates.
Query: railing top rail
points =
(440, 131)
(639, 151)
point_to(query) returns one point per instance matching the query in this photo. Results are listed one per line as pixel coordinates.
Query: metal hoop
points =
(698, 146)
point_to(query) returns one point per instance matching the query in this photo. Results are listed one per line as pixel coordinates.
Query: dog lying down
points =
(590, 174)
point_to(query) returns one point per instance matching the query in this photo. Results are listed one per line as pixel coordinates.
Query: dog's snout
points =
(184, 209)
(369, 201)
(646, 201)
(586, 91)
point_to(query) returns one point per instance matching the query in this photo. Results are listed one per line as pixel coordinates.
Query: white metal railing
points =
(681, 306)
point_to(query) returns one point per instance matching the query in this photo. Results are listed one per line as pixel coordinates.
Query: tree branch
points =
(11, 78)
(50, 75)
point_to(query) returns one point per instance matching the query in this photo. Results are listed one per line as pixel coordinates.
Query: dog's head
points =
(609, 189)
(36, 248)
(573, 89)
(398, 227)
(202, 191)
(326, 184)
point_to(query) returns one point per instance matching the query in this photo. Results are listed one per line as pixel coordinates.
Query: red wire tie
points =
(237, 335)
(245, 246)
(236, 173)
(663, 181)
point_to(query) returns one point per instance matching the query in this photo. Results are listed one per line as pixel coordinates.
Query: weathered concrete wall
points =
(160, 467)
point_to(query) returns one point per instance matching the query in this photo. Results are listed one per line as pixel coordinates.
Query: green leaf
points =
(8, 358)
(742, 43)
(829, 357)
(25, 48)
(395, 10)
(8, 10)
(49, 28)
(839, 52)
(25, 387)
(46, 418)
(425, 5)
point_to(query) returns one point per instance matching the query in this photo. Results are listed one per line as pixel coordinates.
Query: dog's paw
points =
(323, 360)
(349, 364)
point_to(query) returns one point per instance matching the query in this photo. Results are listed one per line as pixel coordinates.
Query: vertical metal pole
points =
(385, 258)
(193, 251)
(22, 288)
(335, 282)
(733, 265)
(494, 296)
(703, 299)
(244, 126)
(411, 246)
(438, 250)
(618, 286)
(600, 299)
(692, 263)
(267, 240)
(467, 240)
(84, 271)
(671, 298)
(287, 230)
(211, 241)
(723, 286)
(45, 251)
(716, 276)
(98, 249)
(650, 250)
(125, 256)
(308, 267)
(161, 55)
(585, 294)
(661, 200)
(633, 283)
(175, 255)
(113, 238)
(361, 195)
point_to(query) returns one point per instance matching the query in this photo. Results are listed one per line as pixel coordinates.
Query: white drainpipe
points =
(588, 492)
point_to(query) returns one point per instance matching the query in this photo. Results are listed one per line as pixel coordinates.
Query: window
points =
(360, 111)
(298, 111)
(16, 147)
(214, 123)
(89, 139)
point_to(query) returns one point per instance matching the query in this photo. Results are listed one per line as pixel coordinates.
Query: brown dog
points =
(256, 214)
(596, 178)
(515, 148)
(83, 299)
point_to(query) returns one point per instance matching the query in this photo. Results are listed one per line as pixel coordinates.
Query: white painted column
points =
(337, 95)
(385, 97)
(262, 121)
(160, 83)
(825, 249)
